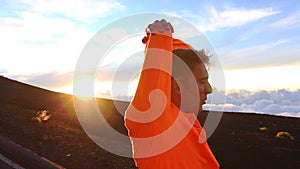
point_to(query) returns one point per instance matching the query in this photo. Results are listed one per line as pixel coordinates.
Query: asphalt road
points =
(6, 163)
(13, 156)
(3, 165)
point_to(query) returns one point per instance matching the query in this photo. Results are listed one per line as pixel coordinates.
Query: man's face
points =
(204, 87)
(186, 101)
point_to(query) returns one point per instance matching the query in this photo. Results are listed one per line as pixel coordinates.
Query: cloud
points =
(277, 52)
(261, 104)
(30, 27)
(86, 11)
(217, 21)
(2, 72)
(257, 48)
(276, 102)
(39, 43)
(31, 57)
(230, 17)
(50, 80)
(264, 55)
(233, 17)
(287, 22)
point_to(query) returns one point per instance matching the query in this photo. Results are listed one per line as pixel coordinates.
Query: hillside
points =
(237, 142)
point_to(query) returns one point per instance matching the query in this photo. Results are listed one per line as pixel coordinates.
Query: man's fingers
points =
(159, 26)
(167, 25)
(171, 27)
(151, 28)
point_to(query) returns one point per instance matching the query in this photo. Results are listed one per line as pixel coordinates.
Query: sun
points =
(83, 87)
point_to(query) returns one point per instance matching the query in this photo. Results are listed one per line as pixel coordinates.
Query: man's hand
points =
(159, 27)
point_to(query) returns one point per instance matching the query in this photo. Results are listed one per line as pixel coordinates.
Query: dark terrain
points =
(238, 142)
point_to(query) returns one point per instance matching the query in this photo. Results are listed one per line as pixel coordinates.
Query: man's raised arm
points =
(154, 89)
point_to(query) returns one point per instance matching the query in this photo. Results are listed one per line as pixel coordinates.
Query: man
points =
(161, 123)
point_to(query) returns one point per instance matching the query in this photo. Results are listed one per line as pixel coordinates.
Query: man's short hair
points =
(190, 57)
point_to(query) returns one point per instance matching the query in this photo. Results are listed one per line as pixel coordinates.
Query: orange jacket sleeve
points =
(153, 94)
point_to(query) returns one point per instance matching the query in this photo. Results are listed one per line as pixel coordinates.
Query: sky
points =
(257, 43)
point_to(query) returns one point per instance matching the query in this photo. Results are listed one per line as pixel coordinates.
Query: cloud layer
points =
(233, 17)
(277, 102)
(229, 17)
(86, 11)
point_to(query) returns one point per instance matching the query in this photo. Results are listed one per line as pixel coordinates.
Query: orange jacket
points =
(163, 137)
